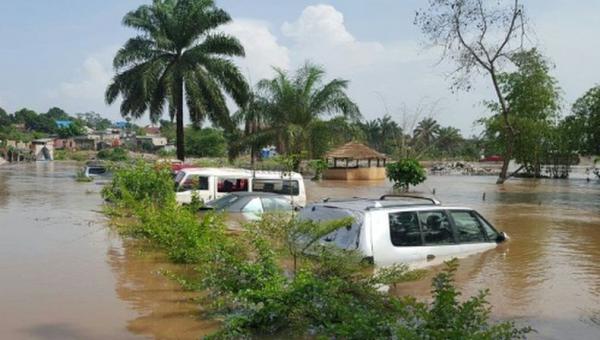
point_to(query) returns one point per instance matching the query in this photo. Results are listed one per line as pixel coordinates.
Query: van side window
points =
(194, 182)
(277, 186)
(404, 229)
(468, 228)
(232, 184)
(436, 228)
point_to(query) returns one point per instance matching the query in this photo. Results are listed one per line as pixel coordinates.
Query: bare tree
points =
(480, 37)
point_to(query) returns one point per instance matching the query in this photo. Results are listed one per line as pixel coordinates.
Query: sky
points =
(59, 52)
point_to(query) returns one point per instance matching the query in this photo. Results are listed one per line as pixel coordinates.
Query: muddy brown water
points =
(65, 275)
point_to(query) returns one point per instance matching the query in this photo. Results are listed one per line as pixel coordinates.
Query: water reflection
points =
(166, 310)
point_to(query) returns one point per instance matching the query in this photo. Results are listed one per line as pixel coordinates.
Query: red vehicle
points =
(493, 158)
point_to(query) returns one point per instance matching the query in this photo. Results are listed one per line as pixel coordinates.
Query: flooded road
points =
(64, 275)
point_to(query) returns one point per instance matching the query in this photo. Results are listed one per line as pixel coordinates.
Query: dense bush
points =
(113, 154)
(141, 183)
(277, 280)
(405, 172)
(205, 142)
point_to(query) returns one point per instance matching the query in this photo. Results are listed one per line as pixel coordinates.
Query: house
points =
(152, 130)
(64, 143)
(62, 124)
(42, 149)
(85, 142)
(355, 161)
(150, 143)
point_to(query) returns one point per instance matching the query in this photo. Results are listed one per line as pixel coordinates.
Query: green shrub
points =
(318, 166)
(142, 183)
(115, 154)
(405, 172)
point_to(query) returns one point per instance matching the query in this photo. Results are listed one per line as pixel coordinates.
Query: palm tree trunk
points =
(179, 119)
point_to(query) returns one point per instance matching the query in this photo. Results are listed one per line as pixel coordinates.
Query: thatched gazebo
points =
(355, 161)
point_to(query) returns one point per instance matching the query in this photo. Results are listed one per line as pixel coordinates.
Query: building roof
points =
(355, 151)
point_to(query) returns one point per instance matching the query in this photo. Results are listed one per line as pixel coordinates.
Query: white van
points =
(212, 183)
(412, 230)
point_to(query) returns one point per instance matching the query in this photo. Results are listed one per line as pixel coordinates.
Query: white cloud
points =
(91, 84)
(263, 52)
(385, 77)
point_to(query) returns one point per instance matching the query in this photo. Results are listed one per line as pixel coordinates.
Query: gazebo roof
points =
(355, 151)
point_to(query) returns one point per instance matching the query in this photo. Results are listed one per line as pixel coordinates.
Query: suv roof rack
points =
(430, 199)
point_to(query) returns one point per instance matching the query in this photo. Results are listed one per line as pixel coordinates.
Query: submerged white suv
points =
(414, 230)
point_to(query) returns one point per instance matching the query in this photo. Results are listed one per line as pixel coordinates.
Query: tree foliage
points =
(479, 36)
(178, 54)
(587, 114)
(406, 172)
(533, 96)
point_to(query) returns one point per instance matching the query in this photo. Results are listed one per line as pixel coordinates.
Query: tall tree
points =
(533, 97)
(426, 131)
(478, 36)
(178, 56)
(587, 110)
(296, 101)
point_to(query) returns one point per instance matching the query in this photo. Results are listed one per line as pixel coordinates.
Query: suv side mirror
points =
(502, 237)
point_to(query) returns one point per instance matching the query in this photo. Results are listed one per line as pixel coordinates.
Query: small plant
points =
(81, 177)
(405, 172)
(318, 165)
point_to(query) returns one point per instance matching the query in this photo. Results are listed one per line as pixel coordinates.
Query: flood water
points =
(65, 275)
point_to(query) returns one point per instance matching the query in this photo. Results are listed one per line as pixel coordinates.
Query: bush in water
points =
(405, 172)
(329, 293)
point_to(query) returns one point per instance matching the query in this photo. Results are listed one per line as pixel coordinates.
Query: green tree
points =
(205, 142)
(57, 113)
(449, 140)
(533, 97)
(94, 120)
(480, 37)
(405, 172)
(178, 56)
(5, 119)
(426, 132)
(587, 110)
(296, 102)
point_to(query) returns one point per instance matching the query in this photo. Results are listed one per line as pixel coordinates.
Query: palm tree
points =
(426, 131)
(448, 139)
(178, 55)
(296, 102)
(255, 134)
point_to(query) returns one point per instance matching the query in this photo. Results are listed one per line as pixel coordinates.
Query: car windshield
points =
(223, 202)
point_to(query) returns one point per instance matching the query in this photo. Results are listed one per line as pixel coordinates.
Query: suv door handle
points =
(430, 257)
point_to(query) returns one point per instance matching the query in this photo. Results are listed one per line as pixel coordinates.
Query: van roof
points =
(240, 172)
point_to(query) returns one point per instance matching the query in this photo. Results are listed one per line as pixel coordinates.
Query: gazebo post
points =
(378, 162)
(347, 160)
(384, 162)
(357, 163)
(335, 163)
(369, 162)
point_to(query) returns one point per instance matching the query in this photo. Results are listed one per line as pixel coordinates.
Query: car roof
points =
(368, 204)
(257, 194)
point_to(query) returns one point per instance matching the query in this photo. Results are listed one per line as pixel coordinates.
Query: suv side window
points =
(468, 228)
(404, 229)
(436, 228)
